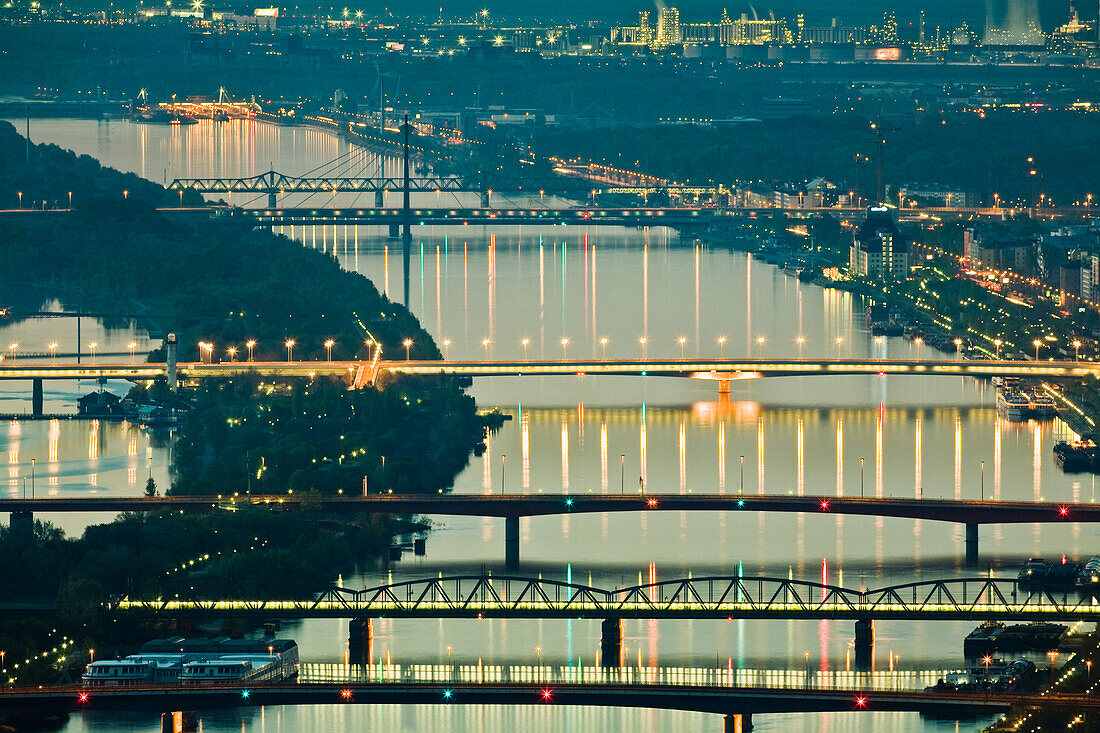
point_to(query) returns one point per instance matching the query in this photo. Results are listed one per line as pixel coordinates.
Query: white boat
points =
(1042, 405)
(1013, 405)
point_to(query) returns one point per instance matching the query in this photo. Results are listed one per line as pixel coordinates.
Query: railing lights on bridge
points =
(651, 502)
(569, 501)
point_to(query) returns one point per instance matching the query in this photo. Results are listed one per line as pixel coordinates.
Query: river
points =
(564, 290)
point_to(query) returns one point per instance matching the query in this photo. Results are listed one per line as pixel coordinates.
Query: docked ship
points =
(1041, 405)
(194, 661)
(1014, 405)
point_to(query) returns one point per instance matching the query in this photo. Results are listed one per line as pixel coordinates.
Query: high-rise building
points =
(879, 251)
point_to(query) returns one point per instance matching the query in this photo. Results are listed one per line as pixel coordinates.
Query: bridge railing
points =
(721, 675)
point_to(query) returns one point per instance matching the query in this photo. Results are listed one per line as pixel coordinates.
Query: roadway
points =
(696, 368)
(696, 698)
(971, 512)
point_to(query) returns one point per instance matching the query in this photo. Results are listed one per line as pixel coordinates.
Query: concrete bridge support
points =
(36, 396)
(22, 527)
(865, 643)
(971, 545)
(611, 643)
(486, 197)
(379, 199)
(737, 723)
(179, 721)
(511, 543)
(360, 641)
(171, 351)
(395, 231)
(724, 387)
(272, 199)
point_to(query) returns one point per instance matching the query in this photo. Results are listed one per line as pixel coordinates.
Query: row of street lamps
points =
(643, 341)
(13, 350)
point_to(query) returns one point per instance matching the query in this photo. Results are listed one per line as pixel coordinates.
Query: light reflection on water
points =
(915, 436)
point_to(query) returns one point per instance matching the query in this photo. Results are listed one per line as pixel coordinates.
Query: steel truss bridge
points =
(273, 182)
(712, 369)
(472, 597)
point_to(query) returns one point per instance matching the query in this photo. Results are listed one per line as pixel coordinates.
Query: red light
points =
(346, 694)
(861, 702)
(546, 694)
(824, 505)
(1063, 511)
(83, 697)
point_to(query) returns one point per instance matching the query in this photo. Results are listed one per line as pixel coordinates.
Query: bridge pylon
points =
(511, 543)
(360, 641)
(865, 643)
(737, 723)
(611, 643)
(971, 545)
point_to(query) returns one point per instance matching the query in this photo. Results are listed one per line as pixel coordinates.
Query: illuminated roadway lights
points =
(250, 344)
(407, 343)
(1076, 349)
(232, 351)
(131, 346)
(722, 346)
(525, 343)
(485, 346)
(53, 352)
(643, 341)
(12, 348)
(206, 352)
(92, 347)
(446, 348)
(603, 344)
(1036, 343)
(564, 345)
(329, 343)
(289, 349)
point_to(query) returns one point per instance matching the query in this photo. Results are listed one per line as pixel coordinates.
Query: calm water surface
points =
(485, 291)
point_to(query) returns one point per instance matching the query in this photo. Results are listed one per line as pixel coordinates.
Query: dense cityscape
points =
(324, 329)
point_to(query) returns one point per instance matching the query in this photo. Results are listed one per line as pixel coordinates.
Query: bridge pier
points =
(22, 527)
(272, 199)
(865, 643)
(179, 721)
(511, 543)
(360, 641)
(723, 386)
(737, 723)
(36, 396)
(380, 199)
(395, 231)
(485, 199)
(611, 643)
(171, 351)
(971, 545)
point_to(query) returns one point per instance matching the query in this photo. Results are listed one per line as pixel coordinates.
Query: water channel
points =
(897, 436)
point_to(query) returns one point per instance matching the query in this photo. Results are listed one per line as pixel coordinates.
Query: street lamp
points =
(525, 343)
(329, 343)
(407, 343)
(682, 340)
(839, 341)
(800, 340)
(958, 346)
(132, 345)
(503, 457)
(206, 352)
(485, 347)
(289, 349)
(997, 348)
(643, 341)
(622, 473)
(564, 344)
(251, 344)
(1076, 349)
(722, 346)
(446, 348)
(232, 351)
(1037, 343)
(860, 478)
(92, 347)
(12, 347)
(603, 343)
(53, 352)
(983, 480)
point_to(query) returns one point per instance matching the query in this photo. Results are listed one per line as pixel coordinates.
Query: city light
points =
(329, 343)
(407, 343)
(250, 344)
(289, 350)
(131, 346)
(564, 344)
(92, 347)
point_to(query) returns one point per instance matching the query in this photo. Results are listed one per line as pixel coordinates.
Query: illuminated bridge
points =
(696, 368)
(736, 694)
(513, 506)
